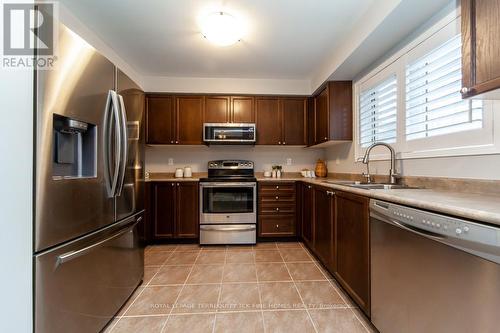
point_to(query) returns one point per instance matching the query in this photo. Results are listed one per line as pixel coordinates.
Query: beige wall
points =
(341, 159)
(198, 156)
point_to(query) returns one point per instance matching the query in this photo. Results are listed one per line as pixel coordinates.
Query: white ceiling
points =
(286, 39)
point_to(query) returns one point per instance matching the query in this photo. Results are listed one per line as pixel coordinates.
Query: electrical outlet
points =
(337, 161)
(170, 161)
(288, 161)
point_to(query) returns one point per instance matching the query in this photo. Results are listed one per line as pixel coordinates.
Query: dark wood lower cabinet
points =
(353, 247)
(173, 210)
(307, 221)
(324, 226)
(277, 209)
(187, 213)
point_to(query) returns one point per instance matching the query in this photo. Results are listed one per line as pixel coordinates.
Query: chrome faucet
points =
(392, 172)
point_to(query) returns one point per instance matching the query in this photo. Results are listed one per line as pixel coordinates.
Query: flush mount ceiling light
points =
(221, 28)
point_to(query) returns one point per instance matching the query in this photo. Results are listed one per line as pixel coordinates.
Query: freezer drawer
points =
(81, 285)
(228, 234)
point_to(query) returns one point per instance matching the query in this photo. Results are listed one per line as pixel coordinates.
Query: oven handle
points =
(219, 228)
(228, 184)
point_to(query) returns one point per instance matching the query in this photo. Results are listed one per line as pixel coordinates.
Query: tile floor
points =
(270, 287)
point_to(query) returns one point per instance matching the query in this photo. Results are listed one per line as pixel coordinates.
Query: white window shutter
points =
(434, 105)
(377, 116)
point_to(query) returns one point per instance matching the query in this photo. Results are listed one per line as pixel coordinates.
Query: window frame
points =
(446, 145)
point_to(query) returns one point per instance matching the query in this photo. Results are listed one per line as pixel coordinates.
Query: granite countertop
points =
(474, 206)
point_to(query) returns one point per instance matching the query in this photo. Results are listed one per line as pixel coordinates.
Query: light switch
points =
(288, 161)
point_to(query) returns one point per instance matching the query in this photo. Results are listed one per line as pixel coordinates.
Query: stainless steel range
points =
(228, 203)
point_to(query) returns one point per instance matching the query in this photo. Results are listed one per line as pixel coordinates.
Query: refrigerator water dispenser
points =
(75, 148)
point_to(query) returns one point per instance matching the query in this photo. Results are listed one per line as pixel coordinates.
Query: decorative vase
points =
(320, 169)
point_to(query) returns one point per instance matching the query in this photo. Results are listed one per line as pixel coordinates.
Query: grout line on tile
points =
(260, 296)
(140, 293)
(220, 291)
(178, 295)
(301, 299)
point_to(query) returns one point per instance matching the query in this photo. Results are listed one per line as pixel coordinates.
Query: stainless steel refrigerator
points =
(89, 183)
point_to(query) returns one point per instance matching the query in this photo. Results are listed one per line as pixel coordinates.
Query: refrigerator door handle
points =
(111, 176)
(124, 146)
(64, 258)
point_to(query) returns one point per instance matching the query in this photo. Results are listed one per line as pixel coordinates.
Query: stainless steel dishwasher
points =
(432, 273)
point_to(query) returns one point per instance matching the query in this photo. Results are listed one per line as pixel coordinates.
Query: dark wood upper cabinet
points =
(332, 113)
(187, 210)
(353, 247)
(268, 121)
(217, 109)
(293, 115)
(480, 46)
(189, 120)
(322, 116)
(225, 109)
(160, 120)
(310, 122)
(281, 121)
(242, 109)
(324, 226)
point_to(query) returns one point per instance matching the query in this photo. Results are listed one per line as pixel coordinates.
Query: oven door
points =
(229, 202)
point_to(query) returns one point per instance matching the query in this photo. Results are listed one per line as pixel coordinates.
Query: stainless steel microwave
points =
(228, 133)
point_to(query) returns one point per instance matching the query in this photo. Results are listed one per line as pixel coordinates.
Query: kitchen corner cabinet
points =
(307, 216)
(480, 46)
(229, 109)
(281, 120)
(353, 247)
(332, 114)
(277, 209)
(324, 226)
(174, 120)
(174, 210)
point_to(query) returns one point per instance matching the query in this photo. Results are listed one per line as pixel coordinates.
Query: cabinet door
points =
(160, 119)
(324, 226)
(190, 120)
(163, 207)
(340, 110)
(187, 210)
(268, 121)
(480, 46)
(353, 250)
(308, 214)
(311, 122)
(217, 109)
(294, 118)
(321, 105)
(243, 110)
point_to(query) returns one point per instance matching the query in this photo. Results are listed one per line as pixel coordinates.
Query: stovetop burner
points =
(230, 171)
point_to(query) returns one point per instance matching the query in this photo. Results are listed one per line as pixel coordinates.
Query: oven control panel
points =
(230, 164)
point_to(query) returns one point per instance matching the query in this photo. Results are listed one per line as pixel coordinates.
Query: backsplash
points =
(197, 157)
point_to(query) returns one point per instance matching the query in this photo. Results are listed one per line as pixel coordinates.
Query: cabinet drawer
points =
(277, 226)
(277, 197)
(276, 208)
(277, 188)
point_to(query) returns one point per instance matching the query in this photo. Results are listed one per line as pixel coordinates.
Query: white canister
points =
(179, 173)
(188, 173)
(278, 173)
(274, 174)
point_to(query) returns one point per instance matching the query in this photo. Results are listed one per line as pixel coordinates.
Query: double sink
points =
(368, 186)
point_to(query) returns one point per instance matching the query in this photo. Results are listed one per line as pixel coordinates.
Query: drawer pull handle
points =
(277, 209)
(277, 226)
(277, 187)
(277, 197)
